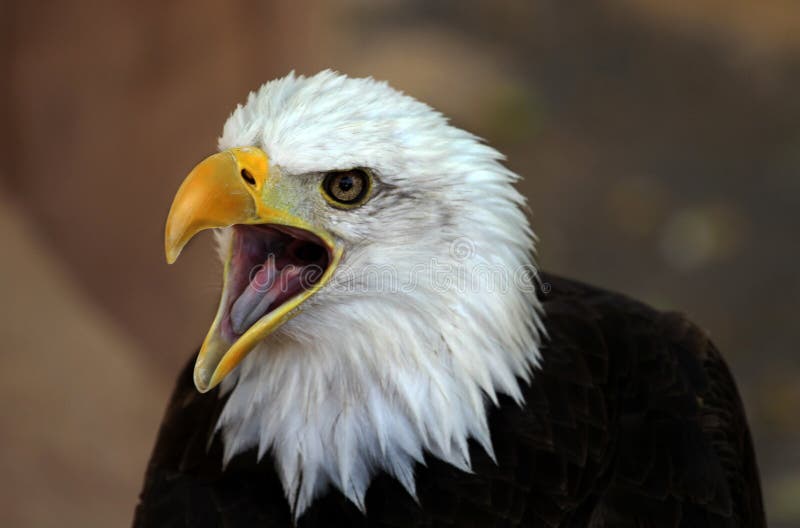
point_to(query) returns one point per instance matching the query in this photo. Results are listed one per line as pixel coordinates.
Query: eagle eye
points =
(347, 189)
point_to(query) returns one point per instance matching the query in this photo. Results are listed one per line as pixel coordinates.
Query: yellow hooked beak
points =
(229, 188)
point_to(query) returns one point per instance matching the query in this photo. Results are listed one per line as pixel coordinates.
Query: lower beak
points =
(229, 188)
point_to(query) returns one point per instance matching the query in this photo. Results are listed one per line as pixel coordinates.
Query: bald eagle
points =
(385, 353)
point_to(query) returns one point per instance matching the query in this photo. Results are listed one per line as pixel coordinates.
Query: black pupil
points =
(347, 187)
(346, 183)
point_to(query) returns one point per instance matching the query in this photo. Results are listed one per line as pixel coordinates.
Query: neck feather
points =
(371, 383)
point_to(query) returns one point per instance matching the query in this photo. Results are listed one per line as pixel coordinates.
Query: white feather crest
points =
(389, 360)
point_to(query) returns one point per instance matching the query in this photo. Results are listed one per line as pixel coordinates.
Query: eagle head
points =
(377, 283)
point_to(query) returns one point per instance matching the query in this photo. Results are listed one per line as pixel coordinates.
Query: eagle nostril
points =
(246, 176)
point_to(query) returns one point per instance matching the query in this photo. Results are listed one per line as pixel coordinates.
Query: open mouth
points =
(277, 260)
(270, 265)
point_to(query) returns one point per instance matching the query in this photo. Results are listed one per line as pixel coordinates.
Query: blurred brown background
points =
(659, 141)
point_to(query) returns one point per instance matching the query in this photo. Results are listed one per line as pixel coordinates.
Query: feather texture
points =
(422, 321)
(417, 388)
(632, 421)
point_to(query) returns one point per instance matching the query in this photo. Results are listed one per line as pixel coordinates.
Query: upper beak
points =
(228, 188)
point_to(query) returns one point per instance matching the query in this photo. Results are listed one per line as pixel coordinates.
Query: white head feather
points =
(400, 352)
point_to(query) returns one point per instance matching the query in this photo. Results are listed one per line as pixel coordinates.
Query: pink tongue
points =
(267, 285)
(254, 301)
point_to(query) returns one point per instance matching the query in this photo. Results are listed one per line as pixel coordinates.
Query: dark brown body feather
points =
(632, 421)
